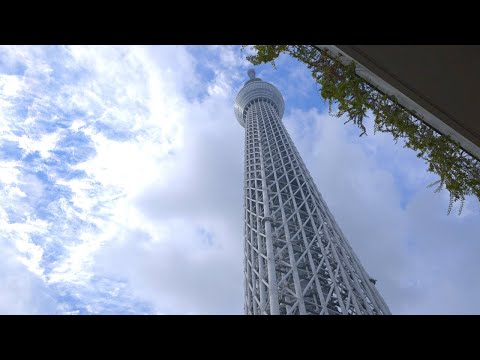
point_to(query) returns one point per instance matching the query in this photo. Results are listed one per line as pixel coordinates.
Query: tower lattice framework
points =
(297, 260)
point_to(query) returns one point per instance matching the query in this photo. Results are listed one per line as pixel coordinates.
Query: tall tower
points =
(297, 260)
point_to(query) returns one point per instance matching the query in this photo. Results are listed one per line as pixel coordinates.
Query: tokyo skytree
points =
(297, 260)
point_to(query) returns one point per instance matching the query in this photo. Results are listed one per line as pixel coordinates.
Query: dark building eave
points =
(439, 82)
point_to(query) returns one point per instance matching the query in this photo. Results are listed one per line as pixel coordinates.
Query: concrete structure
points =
(297, 260)
(439, 82)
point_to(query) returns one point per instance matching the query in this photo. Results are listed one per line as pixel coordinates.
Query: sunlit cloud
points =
(121, 186)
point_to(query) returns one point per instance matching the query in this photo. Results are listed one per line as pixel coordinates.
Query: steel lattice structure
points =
(297, 260)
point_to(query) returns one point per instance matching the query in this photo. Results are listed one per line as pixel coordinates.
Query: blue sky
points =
(121, 174)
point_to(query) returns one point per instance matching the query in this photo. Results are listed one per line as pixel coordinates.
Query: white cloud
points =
(10, 85)
(9, 172)
(201, 188)
(395, 245)
(21, 292)
(44, 145)
(158, 215)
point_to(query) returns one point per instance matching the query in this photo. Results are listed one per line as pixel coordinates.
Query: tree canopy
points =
(340, 85)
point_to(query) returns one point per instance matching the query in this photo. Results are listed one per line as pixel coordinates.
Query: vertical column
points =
(272, 276)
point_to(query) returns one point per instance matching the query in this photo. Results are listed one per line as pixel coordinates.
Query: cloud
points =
(22, 291)
(181, 272)
(114, 124)
(121, 186)
(398, 244)
(192, 262)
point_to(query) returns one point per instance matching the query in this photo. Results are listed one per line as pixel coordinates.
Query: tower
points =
(297, 260)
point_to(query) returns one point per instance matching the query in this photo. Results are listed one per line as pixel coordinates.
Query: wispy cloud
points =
(121, 174)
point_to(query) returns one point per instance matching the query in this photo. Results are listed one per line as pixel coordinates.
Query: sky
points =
(121, 186)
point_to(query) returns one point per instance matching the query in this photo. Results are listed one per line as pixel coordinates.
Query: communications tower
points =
(297, 260)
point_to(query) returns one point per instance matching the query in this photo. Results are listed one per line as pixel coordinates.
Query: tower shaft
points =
(297, 260)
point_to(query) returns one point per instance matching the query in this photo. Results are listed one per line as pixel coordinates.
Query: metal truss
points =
(297, 260)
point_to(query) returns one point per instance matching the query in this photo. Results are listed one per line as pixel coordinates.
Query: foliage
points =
(459, 172)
